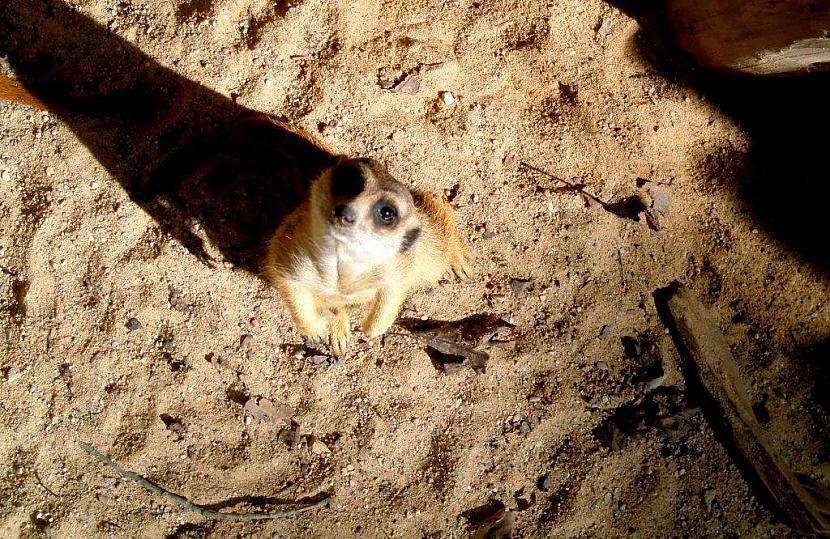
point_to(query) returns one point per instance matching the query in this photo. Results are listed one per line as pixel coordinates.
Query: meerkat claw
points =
(339, 340)
(462, 269)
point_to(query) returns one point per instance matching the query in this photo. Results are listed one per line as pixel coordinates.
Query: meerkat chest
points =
(351, 270)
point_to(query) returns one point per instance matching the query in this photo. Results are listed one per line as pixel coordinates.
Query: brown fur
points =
(321, 288)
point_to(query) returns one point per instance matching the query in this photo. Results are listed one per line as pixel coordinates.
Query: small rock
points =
(133, 324)
(317, 447)
(410, 85)
(525, 427)
(94, 185)
(447, 98)
(12, 374)
(6, 175)
(520, 286)
(544, 483)
(534, 399)
(245, 340)
(606, 332)
(654, 383)
(708, 498)
(269, 82)
(319, 360)
(601, 365)
(603, 29)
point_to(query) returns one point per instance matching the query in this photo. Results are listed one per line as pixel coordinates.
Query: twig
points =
(622, 274)
(187, 504)
(40, 482)
(578, 188)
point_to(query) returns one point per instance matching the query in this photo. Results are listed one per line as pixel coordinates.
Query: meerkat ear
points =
(347, 179)
(337, 160)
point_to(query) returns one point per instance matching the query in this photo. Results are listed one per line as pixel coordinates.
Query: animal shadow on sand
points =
(181, 151)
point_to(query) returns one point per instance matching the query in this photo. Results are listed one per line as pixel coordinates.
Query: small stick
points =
(579, 189)
(622, 274)
(40, 482)
(187, 504)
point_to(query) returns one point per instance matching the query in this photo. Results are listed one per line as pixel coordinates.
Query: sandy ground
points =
(115, 332)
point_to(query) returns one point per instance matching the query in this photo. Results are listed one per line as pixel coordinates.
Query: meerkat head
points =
(361, 204)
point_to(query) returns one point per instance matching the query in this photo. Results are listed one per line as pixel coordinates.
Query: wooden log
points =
(712, 367)
(759, 37)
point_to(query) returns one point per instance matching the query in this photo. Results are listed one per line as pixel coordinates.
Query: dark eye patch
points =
(410, 238)
(385, 213)
(347, 181)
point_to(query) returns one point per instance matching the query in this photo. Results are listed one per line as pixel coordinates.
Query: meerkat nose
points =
(344, 214)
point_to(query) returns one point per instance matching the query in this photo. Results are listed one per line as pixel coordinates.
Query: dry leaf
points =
(268, 412)
(491, 521)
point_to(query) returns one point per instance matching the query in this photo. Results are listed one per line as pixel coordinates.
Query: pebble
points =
(245, 340)
(534, 399)
(544, 483)
(12, 374)
(525, 427)
(319, 360)
(269, 82)
(519, 287)
(6, 175)
(133, 324)
(447, 98)
(319, 448)
(94, 185)
(708, 498)
(606, 332)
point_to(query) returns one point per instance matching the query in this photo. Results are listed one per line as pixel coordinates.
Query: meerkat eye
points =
(386, 214)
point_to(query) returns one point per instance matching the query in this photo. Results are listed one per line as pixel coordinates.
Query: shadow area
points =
(783, 179)
(190, 157)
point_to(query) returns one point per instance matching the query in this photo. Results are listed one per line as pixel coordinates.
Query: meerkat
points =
(360, 238)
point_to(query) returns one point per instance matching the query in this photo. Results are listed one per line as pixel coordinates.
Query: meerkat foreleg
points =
(384, 311)
(306, 312)
(341, 332)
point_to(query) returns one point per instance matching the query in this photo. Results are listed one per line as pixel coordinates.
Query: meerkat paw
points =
(341, 335)
(462, 267)
(375, 330)
(315, 334)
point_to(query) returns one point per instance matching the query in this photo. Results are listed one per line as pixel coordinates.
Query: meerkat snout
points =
(344, 215)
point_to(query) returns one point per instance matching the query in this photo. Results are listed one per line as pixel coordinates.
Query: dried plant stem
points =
(187, 504)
